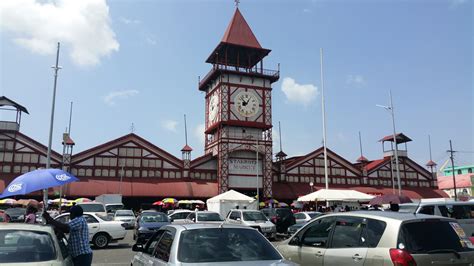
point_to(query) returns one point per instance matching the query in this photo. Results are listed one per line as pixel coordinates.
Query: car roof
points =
(399, 216)
(89, 203)
(244, 210)
(424, 203)
(206, 212)
(181, 210)
(31, 227)
(195, 226)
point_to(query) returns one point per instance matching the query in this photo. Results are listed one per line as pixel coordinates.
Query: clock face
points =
(213, 101)
(247, 103)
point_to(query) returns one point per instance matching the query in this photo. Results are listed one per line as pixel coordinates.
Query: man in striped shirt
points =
(79, 247)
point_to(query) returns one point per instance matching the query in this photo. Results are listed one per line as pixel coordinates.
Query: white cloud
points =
(356, 80)
(150, 40)
(456, 3)
(83, 27)
(170, 125)
(297, 93)
(111, 98)
(129, 21)
(199, 133)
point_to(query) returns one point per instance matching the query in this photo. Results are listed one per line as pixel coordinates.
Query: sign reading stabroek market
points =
(244, 166)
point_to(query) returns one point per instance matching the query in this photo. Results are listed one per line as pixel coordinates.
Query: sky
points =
(137, 62)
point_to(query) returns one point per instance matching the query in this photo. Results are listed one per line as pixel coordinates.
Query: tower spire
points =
(361, 159)
(237, 2)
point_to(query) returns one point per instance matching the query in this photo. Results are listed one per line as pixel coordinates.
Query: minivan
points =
(95, 207)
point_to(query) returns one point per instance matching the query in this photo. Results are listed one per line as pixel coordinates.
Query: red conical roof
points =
(430, 163)
(362, 159)
(238, 32)
(186, 148)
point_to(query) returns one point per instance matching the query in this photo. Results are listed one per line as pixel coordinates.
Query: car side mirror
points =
(171, 219)
(238, 219)
(193, 219)
(295, 241)
(137, 248)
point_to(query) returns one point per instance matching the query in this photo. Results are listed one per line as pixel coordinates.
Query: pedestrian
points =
(30, 215)
(79, 246)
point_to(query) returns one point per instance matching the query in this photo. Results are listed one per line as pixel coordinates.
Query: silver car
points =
(253, 218)
(379, 238)
(207, 244)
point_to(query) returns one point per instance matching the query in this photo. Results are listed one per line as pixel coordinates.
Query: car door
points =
(93, 225)
(309, 245)
(162, 251)
(191, 218)
(146, 256)
(234, 217)
(347, 245)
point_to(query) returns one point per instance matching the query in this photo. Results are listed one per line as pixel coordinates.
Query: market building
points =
(238, 146)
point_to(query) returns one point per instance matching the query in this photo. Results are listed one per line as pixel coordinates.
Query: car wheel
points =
(100, 240)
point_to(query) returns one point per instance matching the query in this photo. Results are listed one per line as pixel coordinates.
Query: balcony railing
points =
(10, 126)
(272, 74)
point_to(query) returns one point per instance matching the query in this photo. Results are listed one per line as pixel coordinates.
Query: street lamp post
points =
(390, 108)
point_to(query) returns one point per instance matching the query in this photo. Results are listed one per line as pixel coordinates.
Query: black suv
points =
(281, 217)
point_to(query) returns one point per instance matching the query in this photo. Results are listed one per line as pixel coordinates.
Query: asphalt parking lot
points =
(116, 253)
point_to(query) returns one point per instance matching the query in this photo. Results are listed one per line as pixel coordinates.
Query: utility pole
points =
(451, 152)
(56, 68)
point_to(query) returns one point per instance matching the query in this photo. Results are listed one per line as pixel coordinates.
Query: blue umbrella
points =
(37, 180)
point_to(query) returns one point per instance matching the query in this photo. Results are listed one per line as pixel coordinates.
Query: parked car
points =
(102, 230)
(179, 215)
(281, 217)
(147, 224)
(462, 211)
(379, 238)
(253, 218)
(303, 217)
(204, 217)
(17, 215)
(127, 217)
(32, 244)
(207, 244)
(95, 207)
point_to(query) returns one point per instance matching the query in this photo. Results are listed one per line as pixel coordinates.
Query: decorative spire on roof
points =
(280, 155)
(361, 159)
(186, 149)
(238, 32)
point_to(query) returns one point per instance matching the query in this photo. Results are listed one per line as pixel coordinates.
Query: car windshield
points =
(21, 246)
(124, 213)
(113, 207)
(407, 208)
(209, 217)
(224, 244)
(254, 216)
(431, 235)
(154, 218)
(92, 207)
(16, 211)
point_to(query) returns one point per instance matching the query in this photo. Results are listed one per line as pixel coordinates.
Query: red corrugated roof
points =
(238, 32)
(376, 163)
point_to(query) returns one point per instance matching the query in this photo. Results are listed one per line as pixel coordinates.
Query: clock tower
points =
(239, 110)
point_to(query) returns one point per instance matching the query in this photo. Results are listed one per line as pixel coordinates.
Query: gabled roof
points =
(331, 155)
(122, 140)
(4, 101)
(238, 32)
(400, 137)
(376, 163)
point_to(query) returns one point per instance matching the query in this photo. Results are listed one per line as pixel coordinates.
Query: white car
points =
(178, 216)
(204, 217)
(95, 207)
(102, 230)
(303, 217)
(127, 217)
(32, 244)
(252, 218)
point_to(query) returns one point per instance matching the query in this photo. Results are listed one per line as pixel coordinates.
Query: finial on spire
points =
(237, 3)
(132, 128)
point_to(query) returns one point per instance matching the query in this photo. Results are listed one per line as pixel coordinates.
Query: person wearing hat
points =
(79, 246)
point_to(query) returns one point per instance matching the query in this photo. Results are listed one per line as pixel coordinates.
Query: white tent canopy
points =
(336, 195)
(226, 201)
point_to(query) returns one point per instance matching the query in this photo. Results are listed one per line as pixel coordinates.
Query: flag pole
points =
(326, 179)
